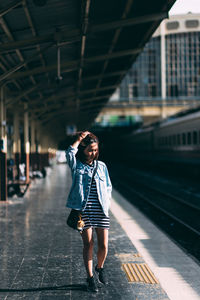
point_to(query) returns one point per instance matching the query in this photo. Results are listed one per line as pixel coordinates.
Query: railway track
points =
(151, 195)
(181, 216)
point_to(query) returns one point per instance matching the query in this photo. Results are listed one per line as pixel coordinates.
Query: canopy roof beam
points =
(10, 7)
(20, 65)
(65, 38)
(114, 40)
(69, 66)
(34, 33)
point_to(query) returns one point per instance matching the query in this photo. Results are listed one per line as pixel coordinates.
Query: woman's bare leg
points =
(88, 250)
(102, 238)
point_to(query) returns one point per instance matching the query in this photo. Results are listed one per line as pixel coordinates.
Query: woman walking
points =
(90, 193)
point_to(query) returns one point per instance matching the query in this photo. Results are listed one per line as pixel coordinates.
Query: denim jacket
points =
(81, 182)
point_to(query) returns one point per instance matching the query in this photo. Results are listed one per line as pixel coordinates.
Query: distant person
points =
(44, 172)
(91, 194)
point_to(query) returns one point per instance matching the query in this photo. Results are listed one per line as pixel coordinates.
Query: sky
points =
(185, 6)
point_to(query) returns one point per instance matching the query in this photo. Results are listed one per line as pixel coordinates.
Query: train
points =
(179, 133)
(170, 146)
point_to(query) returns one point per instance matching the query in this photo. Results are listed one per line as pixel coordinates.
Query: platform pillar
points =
(3, 149)
(33, 154)
(26, 142)
(163, 69)
(38, 146)
(16, 142)
(45, 151)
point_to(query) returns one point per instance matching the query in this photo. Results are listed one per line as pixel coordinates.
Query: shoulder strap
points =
(95, 169)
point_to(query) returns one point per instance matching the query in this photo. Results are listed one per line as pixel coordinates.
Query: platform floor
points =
(178, 273)
(41, 258)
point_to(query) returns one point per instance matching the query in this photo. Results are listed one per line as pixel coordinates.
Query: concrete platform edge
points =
(176, 272)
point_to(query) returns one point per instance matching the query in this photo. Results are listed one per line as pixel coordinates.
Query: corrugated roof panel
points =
(106, 11)
(100, 53)
(16, 20)
(54, 15)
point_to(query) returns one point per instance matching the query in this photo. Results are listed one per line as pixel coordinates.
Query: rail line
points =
(181, 211)
(171, 196)
(158, 207)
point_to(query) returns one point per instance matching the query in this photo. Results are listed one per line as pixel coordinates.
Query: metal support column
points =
(46, 152)
(33, 154)
(38, 146)
(33, 145)
(26, 141)
(163, 69)
(16, 142)
(3, 149)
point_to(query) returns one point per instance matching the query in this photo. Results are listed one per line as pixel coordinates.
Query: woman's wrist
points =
(79, 139)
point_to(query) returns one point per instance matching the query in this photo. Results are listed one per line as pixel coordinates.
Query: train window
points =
(174, 139)
(164, 141)
(167, 140)
(189, 138)
(184, 138)
(195, 137)
(178, 139)
(170, 140)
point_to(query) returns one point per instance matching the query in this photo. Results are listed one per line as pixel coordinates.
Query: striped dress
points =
(93, 214)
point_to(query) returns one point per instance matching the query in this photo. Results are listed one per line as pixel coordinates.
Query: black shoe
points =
(92, 285)
(102, 276)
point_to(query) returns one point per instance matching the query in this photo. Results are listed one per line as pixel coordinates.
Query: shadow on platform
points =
(69, 287)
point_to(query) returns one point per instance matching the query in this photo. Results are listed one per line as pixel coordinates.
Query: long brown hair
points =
(88, 140)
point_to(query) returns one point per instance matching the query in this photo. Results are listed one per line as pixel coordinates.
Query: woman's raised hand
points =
(83, 134)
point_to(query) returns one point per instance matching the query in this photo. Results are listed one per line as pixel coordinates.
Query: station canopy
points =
(63, 59)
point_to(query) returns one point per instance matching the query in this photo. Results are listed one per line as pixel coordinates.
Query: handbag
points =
(74, 219)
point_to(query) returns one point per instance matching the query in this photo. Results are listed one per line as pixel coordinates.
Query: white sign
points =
(71, 129)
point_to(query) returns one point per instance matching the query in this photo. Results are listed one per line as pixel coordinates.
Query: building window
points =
(192, 23)
(173, 90)
(172, 25)
(135, 91)
(191, 88)
(152, 90)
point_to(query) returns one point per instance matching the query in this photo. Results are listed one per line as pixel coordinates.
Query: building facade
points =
(169, 66)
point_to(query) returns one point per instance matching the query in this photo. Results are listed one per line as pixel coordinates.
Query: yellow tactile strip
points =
(139, 273)
(137, 255)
